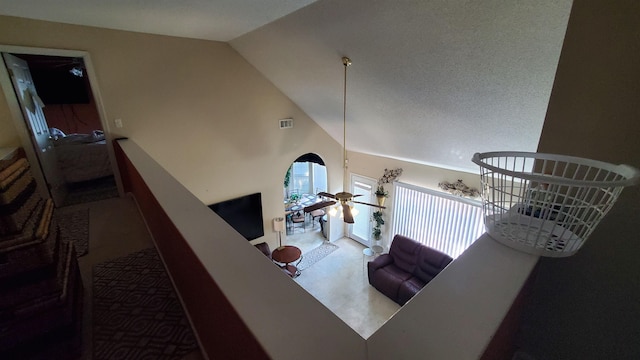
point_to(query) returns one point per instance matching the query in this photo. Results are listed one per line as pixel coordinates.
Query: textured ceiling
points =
(431, 81)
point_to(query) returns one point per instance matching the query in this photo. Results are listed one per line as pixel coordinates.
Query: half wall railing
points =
(243, 307)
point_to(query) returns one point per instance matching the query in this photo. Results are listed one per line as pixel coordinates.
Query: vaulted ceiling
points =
(432, 81)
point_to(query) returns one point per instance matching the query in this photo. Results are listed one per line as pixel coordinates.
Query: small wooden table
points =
(286, 255)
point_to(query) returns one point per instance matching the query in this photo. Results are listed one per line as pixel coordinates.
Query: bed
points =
(82, 157)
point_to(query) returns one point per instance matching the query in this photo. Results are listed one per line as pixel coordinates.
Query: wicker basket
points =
(546, 204)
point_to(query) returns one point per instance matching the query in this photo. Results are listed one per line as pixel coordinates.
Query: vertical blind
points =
(442, 221)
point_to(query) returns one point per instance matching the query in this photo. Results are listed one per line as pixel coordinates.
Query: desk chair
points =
(288, 222)
(316, 214)
(298, 218)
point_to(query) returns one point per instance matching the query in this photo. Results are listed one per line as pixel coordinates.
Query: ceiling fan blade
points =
(319, 205)
(358, 195)
(374, 205)
(326, 194)
(346, 213)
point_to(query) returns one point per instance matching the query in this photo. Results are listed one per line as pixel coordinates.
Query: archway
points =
(305, 177)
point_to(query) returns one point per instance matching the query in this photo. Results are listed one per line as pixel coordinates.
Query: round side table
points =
(377, 249)
(286, 255)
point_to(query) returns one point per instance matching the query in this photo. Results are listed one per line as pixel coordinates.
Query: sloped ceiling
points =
(431, 82)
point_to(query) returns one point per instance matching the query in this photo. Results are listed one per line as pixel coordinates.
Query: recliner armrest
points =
(380, 261)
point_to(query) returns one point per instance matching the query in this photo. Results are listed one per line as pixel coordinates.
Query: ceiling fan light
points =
(333, 211)
(354, 211)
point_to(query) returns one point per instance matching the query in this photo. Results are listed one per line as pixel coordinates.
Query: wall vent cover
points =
(286, 123)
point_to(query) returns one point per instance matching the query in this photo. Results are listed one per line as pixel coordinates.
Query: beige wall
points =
(8, 135)
(196, 106)
(415, 174)
(586, 306)
(203, 112)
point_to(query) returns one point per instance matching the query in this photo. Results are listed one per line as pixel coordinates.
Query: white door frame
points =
(20, 124)
(363, 217)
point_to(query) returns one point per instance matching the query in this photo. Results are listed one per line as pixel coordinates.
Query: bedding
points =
(83, 157)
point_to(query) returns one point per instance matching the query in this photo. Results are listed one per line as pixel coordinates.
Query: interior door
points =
(362, 226)
(31, 107)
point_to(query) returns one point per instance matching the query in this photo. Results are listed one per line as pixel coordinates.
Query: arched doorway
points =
(305, 177)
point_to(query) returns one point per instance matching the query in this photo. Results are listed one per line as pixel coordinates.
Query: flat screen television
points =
(244, 214)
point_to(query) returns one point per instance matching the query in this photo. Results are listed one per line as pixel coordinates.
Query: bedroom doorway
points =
(67, 143)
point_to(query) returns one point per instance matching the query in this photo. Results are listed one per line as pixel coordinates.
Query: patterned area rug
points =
(316, 255)
(74, 227)
(136, 313)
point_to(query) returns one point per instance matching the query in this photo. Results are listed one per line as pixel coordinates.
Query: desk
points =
(294, 208)
(304, 201)
(286, 255)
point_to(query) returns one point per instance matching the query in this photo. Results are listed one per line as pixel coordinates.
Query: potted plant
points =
(381, 195)
(388, 177)
(377, 231)
(377, 217)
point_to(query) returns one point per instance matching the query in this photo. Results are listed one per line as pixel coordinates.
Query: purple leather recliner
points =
(406, 269)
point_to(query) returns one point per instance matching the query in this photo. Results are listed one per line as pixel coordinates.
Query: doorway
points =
(362, 227)
(304, 178)
(57, 114)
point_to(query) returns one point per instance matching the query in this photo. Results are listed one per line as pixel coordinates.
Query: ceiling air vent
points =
(286, 123)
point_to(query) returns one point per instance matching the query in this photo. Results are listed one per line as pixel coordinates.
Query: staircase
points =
(40, 285)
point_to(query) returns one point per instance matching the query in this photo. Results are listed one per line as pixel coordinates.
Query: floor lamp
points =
(278, 226)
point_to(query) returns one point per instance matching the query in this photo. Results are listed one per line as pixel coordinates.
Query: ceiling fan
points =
(344, 198)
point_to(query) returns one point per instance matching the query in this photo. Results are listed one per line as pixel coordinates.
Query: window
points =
(307, 178)
(300, 177)
(319, 178)
(442, 221)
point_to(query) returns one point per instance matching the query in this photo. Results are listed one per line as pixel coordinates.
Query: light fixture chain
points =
(347, 62)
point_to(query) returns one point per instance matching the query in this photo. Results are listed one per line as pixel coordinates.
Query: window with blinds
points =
(442, 221)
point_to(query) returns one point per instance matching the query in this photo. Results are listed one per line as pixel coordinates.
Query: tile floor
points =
(339, 280)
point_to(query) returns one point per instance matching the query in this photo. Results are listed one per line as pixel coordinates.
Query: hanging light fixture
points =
(333, 211)
(344, 206)
(343, 201)
(354, 211)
